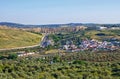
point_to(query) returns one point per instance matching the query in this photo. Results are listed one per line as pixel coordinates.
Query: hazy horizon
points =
(60, 12)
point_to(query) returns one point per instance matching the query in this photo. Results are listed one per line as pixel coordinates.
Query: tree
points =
(12, 56)
(56, 59)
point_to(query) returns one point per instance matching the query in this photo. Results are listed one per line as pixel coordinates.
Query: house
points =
(101, 27)
(66, 47)
(114, 28)
(25, 54)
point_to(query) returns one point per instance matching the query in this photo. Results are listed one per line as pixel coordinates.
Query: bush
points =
(79, 62)
(12, 56)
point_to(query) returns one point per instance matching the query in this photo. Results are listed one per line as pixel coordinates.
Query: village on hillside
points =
(91, 45)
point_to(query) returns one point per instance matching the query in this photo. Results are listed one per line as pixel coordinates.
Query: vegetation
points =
(77, 37)
(12, 56)
(54, 51)
(62, 38)
(105, 34)
(33, 49)
(56, 64)
(12, 38)
(69, 66)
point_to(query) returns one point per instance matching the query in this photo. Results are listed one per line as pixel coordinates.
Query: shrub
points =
(12, 56)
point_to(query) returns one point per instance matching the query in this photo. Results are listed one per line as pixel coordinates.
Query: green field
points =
(12, 38)
(108, 34)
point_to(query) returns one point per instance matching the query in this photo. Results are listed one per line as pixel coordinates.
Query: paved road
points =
(40, 44)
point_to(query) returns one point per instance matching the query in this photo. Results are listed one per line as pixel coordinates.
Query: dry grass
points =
(10, 38)
(54, 51)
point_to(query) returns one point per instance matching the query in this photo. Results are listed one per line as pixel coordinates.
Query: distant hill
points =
(42, 26)
(17, 25)
(11, 24)
(12, 38)
(45, 26)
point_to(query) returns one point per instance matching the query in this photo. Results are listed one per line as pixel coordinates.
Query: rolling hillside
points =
(12, 38)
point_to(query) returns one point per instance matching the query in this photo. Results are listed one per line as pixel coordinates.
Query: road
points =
(40, 44)
(43, 40)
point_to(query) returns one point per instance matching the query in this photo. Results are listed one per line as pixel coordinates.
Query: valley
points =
(70, 53)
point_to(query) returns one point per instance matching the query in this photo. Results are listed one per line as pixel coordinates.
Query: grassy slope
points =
(109, 34)
(10, 38)
(52, 51)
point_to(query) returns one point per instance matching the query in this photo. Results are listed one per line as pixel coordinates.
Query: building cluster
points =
(21, 54)
(91, 45)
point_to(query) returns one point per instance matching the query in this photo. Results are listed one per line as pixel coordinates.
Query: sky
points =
(60, 11)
